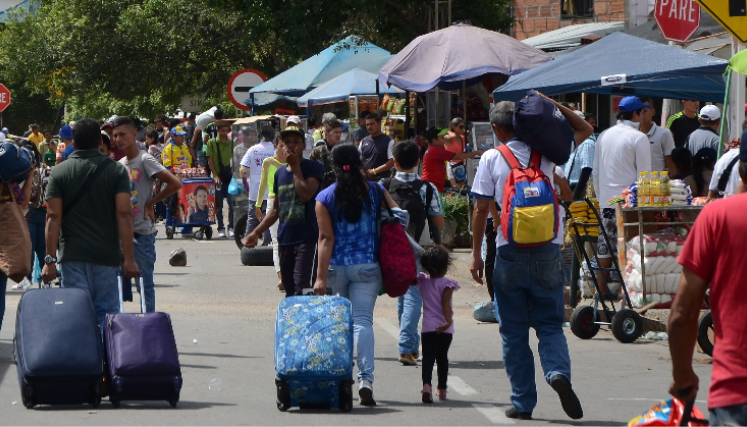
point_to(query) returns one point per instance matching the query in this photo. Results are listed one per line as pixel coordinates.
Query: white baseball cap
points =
(710, 113)
(293, 119)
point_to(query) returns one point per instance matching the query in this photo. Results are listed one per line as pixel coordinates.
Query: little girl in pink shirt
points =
(438, 323)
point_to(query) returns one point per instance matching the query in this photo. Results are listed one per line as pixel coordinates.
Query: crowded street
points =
(229, 309)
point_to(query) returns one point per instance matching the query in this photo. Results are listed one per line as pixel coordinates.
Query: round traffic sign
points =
(4, 97)
(677, 19)
(240, 85)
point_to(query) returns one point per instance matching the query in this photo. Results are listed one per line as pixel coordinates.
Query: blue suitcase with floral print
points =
(314, 353)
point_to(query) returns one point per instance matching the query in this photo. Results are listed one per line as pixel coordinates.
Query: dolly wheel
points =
(627, 325)
(706, 334)
(582, 322)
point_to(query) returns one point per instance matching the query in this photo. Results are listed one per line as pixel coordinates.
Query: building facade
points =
(534, 17)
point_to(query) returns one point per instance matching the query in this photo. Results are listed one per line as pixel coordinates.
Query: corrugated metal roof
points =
(570, 36)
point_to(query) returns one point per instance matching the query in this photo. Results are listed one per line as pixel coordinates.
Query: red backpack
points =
(530, 206)
(396, 257)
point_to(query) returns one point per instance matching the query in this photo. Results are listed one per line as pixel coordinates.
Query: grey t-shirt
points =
(703, 137)
(142, 170)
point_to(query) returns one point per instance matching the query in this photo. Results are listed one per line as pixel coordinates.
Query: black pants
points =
(490, 237)
(435, 350)
(296, 265)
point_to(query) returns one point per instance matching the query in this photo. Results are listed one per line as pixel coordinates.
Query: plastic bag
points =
(235, 188)
(668, 413)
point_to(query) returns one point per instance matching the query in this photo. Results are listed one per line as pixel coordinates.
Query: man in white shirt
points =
(622, 152)
(528, 282)
(661, 139)
(252, 164)
(727, 165)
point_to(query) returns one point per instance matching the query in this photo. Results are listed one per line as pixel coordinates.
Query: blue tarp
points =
(326, 65)
(640, 67)
(354, 82)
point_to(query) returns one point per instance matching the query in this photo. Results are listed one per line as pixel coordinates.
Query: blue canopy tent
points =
(621, 64)
(326, 65)
(354, 82)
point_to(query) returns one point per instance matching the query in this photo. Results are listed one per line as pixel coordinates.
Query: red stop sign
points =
(4, 97)
(677, 19)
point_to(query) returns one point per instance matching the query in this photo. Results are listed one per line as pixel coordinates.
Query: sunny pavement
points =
(229, 309)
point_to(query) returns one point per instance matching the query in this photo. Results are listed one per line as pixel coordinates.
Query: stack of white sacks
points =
(681, 193)
(662, 271)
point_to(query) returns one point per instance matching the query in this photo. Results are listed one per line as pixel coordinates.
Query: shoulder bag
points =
(396, 257)
(15, 240)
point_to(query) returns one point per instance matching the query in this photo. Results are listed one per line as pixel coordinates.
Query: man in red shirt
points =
(434, 161)
(712, 254)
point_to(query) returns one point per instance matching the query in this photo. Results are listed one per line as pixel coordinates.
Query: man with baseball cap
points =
(622, 152)
(707, 135)
(66, 139)
(711, 259)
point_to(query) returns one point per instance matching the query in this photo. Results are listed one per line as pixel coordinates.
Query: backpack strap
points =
(509, 157)
(536, 159)
(725, 176)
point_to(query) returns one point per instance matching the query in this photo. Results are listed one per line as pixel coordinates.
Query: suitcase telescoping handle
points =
(120, 280)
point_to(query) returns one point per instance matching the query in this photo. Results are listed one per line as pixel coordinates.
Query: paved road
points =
(230, 309)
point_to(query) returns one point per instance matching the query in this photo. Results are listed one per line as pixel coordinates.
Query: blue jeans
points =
(145, 257)
(37, 219)
(3, 284)
(100, 281)
(528, 286)
(219, 196)
(729, 416)
(252, 221)
(360, 284)
(409, 308)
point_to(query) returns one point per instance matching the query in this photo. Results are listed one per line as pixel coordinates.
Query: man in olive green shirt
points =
(90, 231)
(219, 153)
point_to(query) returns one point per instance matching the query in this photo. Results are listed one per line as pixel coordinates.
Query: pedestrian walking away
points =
(143, 170)
(89, 216)
(438, 318)
(253, 163)
(36, 216)
(347, 214)
(528, 280)
(422, 202)
(295, 187)
(266, 184)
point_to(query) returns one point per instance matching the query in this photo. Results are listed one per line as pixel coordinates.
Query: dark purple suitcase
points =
(142, 359)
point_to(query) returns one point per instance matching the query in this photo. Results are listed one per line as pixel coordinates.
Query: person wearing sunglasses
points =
(457, 143)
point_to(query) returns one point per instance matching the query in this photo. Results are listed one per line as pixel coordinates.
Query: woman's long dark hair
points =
(704, 158)
(32, 147)
(351, 194)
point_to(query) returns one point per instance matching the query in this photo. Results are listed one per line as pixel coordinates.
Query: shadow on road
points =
(493, 364)
(568, 422)
(357, 411)
(134, 405)
(222, 356)
(199, 366)
(6, 358)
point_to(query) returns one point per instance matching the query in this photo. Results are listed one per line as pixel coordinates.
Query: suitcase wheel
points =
(27, 396)
(96, 395)
(208, 231)
(283, 397)
(174, 400)
(345, 396)
(169, 233)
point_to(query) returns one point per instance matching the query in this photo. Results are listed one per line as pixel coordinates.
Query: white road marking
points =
(493, 414)
(388, 326)
(645, 399)
(458, 385)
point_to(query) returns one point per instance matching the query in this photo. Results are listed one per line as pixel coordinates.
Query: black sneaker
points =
(568, 399)
(513, 413)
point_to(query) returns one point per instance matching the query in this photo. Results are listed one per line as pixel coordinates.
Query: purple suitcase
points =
(141, 354)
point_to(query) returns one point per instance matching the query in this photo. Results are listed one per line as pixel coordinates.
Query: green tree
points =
(140, 57)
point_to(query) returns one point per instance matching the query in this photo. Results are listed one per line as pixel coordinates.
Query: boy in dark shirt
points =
(295, 187)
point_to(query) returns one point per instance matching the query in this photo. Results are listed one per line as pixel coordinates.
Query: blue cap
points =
(66, 132)
(631, 103)
(743, 147)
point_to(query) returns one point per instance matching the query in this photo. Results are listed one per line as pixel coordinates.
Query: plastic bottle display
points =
(655, 197)
(643, 188)
(666, 190)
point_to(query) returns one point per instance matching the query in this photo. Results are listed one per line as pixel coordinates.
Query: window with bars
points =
(577, 7)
